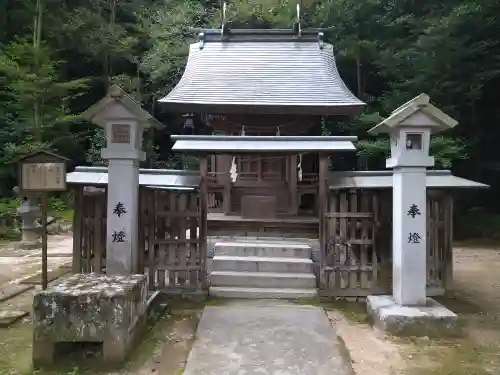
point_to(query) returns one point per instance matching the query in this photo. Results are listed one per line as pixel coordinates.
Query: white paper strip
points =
(233, 171)
(299, 166)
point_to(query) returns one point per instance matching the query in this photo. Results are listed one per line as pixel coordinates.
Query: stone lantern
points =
(29, 213)
(124, 122)
(410, 127)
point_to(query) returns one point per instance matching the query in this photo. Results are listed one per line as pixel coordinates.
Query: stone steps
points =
(261, 293)
(269, 249)
(263, 279)
(262, 269)
(262, 264)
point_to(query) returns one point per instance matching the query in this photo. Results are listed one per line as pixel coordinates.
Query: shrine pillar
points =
(124, 122)
(409, 253)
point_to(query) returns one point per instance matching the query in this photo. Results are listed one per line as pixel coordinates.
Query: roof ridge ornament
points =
(224, 28)
(201, 40)
(297, 27)
(321, 40)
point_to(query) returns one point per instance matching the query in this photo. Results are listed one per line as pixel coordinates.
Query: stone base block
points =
(432, 320)
(88, 318)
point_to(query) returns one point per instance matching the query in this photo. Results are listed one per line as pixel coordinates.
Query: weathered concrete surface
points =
(432, 320)
(8, 291)
(265, 337)
(17, 265)
(89, 308)
(10, 316)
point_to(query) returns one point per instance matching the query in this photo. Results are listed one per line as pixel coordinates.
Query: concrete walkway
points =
(265, 337)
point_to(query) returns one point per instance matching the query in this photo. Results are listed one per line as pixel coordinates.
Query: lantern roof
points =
(117, 95)
(263, 72)
(432, 118)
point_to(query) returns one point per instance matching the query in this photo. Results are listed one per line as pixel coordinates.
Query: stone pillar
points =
(122, 213)
(409, 259)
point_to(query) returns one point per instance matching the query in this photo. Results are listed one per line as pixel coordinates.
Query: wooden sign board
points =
(42, 172)
(43, 177)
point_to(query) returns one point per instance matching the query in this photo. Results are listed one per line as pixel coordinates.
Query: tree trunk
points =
(108, 56)
(37, 37)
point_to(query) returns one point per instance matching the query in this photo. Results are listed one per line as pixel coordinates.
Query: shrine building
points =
(264, 215)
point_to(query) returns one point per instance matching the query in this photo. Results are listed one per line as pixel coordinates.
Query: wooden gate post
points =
(322, 183)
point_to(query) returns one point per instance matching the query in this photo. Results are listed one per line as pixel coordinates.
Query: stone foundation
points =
(88, 317)
(432, 320)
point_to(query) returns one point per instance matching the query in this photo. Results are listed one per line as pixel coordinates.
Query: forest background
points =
(57, 57)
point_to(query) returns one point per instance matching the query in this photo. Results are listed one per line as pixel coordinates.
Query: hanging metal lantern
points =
(188, 123)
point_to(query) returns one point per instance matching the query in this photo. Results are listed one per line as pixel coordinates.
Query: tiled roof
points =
(259, 75)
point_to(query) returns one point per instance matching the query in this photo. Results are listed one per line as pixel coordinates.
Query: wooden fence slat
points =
(97, 244)
(343, 236)
(141, 232)
(436, 241)
(78, 223)
(375, 202)
(181, 276)
(87, 248)
(169, 241)
(151, 237)
(180, 214)
(174, 234)
(161, 230)
(447, 244)
(352, 222)
(349, 214)
(334, 256)
(193, 237)
(364, 236)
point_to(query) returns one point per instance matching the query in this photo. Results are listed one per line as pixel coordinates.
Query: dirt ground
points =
(164, 350)
(476, 298)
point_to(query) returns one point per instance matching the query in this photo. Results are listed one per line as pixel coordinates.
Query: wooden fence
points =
(357, 258)
(358, 252)
(175, 251)
(89, 230)
(172, 241)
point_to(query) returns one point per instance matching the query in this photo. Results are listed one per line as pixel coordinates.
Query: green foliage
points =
(446, 150)
(374, 151)
(97, 142)
(8, 206)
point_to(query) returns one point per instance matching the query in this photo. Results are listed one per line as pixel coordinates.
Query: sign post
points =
(41, 173)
